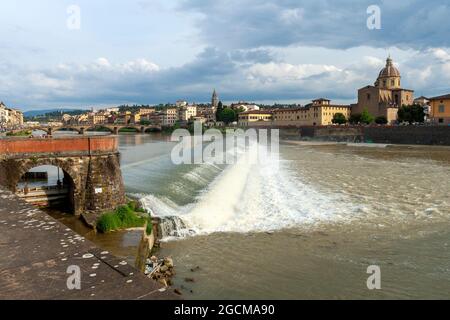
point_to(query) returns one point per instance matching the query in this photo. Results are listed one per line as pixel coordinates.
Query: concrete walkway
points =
(36, 251)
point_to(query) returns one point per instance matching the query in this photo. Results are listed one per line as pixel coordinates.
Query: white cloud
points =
(284, 71)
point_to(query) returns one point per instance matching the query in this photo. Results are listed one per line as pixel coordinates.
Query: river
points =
(308, 230)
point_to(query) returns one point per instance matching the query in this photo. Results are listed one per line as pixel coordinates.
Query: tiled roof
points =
(447, 96)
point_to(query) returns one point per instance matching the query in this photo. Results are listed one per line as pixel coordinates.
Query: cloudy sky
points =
(157, 51)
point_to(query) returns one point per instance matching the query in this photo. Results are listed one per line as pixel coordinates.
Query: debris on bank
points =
(161, 270)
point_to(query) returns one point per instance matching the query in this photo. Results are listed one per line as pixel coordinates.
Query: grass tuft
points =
(124, 217)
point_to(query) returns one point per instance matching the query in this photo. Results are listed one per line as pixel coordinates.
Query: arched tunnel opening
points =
(47, 187)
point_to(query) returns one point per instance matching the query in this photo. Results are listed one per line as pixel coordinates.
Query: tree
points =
(339, 118)
(366, 117)
(355, 119)
(237, 112)
(413, 113)
(381, 120)
(228, 115)
(219, 111)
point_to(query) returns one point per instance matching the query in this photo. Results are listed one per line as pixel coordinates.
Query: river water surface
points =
(307, 230)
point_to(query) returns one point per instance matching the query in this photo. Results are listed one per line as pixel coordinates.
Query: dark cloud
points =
(332, 24)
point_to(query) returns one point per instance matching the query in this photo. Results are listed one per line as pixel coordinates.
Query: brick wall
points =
(59, 145)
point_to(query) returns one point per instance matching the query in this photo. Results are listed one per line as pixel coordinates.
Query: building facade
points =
(169, 117)
(440, 110)
(319, 113)
(10, 118)
(386, 96)
(187, 113)
(255, 118)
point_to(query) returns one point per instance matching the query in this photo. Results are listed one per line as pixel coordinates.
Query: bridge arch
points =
(66, 129)
(129, 128)
(102, 127)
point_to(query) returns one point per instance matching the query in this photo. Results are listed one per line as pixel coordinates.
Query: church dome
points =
(390, 70)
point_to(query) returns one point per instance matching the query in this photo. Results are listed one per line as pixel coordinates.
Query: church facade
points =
(386, 96)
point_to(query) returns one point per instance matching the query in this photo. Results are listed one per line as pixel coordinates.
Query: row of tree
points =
(411, 114)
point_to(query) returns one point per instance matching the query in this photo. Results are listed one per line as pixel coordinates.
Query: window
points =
(393, 82)
(441, 120)
(368, 96)
(441, 108)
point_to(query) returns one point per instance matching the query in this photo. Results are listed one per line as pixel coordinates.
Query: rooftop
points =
(446, 96)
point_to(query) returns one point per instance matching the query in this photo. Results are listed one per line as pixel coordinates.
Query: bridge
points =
(90, 165)
(81, 129)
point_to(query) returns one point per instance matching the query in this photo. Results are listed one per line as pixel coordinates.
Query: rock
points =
(163, 282)
(164, 268)
(168, 262)
(197, 268)
(154, 259)
(189, 280)
(178, 292)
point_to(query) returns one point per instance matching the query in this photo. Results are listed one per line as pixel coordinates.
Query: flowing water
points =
(305, 226)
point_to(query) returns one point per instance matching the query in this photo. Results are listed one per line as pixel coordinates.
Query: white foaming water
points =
(251, 197)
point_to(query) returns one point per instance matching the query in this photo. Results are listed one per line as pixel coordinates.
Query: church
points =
(386, 96)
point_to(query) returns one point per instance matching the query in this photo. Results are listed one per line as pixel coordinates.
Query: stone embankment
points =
(38, 251)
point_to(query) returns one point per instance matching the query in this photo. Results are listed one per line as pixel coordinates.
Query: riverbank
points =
(409, 135)
(40, 251)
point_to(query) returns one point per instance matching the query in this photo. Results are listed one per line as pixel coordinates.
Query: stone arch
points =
(93, 128)
(44, 129)
(66, 129)
(137, 129)
(75, 183)
(150, 129)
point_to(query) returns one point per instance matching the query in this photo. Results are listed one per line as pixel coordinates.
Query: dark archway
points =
(66, 130)
(100, 128)
(47, 186)
(129, 129)
(152, 130)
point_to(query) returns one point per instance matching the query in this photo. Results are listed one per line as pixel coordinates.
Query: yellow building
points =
(97, 118)
(440, 110)
(385, 96)
(320, 113)
(146, 111)
(255, 118)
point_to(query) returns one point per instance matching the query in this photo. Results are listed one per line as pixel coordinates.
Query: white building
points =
(10, 118)
(169, 117)
(186, 113)
(181, 103)
(245, 106)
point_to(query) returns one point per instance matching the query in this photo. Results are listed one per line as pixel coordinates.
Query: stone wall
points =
(436, 135)
(91, 166)
(77, 145)
(421, 135)
(104, 187)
